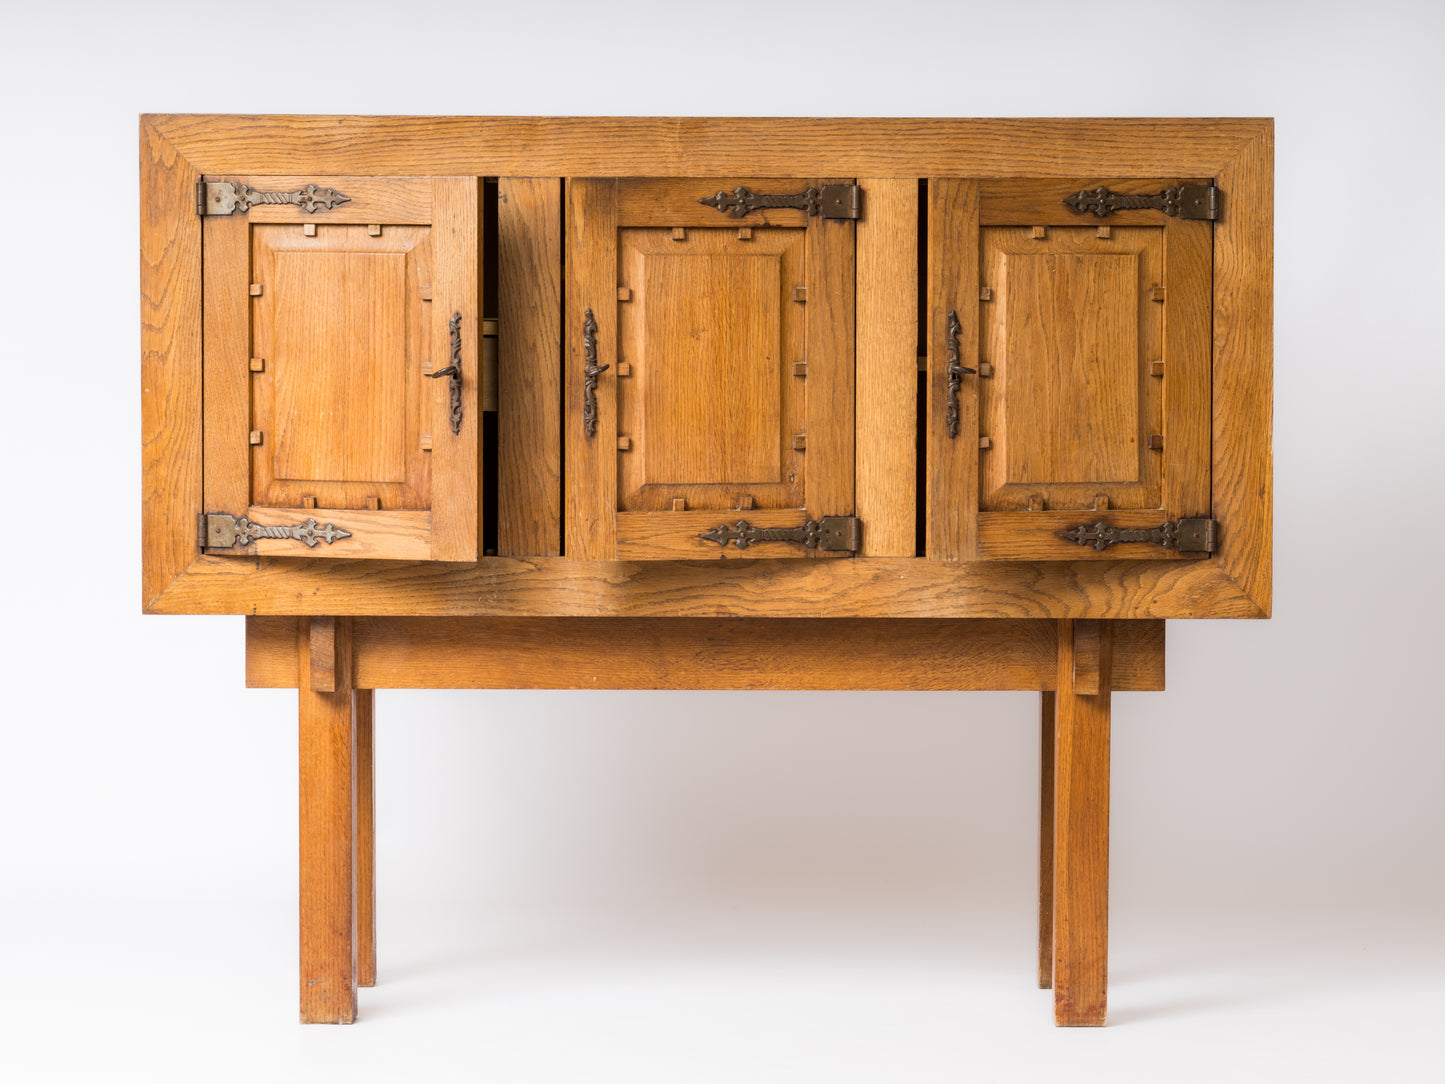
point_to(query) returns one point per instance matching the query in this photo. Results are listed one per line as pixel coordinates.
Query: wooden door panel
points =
(1067, 337)
(1092, 390)
(709, 402)
(321, 368)
(728, 352)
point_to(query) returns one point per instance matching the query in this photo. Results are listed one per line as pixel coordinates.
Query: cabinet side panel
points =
(170, 301)
(1243, 369)
(952, 517)
(887, 366)
(529, 366)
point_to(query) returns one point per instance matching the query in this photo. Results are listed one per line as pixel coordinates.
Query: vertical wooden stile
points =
(529, 294)
(952, 494)
(887, 367)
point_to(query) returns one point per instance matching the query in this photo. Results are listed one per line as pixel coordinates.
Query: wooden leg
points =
(328, 822)
(365, 837)
(1081, 824)
(1046, 840)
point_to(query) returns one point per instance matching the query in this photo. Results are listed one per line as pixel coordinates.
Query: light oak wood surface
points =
(546, 653)
(1081, 824)
(328, 826)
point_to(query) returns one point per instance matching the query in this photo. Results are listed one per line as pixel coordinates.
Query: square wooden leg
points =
(365, 837)
(1046, 840)
(1081, 824)
(328, 765)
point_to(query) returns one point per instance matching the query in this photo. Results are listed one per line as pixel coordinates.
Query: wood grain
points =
(953, 286)
(1186, 367)
(365, 701)
(321, 654)
(171, 359)
(831, 245)
(1081, 838)
(456, 288)
(709, 146)
(529, 377)
(1047, 707)
(591, 475)
(676, 653)
(1238, 153)
(886, 366)
(755, 587)
(1243, 469)
(328, 837)
(227, 357)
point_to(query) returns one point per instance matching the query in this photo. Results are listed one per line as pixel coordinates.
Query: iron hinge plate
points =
(222, 531)
(1196, 535)
(228, 197)
(841, 201)
(834, 534)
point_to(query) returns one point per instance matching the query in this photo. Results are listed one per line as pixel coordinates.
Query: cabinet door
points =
(1088, 416)
(709, 369)
(340, 358)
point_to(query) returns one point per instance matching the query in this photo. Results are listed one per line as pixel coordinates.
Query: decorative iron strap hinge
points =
(1184, 535)
(833, 533)
(830, 201)
(1200, 201)
(228, 197)
(221, 531)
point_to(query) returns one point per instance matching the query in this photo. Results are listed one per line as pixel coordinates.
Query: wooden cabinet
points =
(991, 399)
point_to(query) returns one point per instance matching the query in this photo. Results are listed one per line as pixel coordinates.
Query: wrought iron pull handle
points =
(454, 370)
(956, 371)
(590, 372)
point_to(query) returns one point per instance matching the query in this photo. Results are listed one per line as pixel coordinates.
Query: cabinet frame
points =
(176, 150)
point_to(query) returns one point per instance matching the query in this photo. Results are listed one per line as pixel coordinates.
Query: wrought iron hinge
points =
(228, 197)
(1200, 201)
(218, 530)
(833, 533)
(830, 201)
(1184, 535)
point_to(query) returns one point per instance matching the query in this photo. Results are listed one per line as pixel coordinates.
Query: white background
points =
(728, 887)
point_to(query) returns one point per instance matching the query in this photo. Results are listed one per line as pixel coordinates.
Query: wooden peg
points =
(800, 442)
(1101, 503)
(258, 365)
(984, 442)
(308, 502)
(321, 647)
(1156, 368)
(426, 442)
(1156, 442)
(425, 292)
(679, 234)
(679, 504)
(745, 233)
(800, 368)
(1036, 504)
(985, 293)
(1039, 233)
(1088, 649)
(985, 368)
(1104, 232)
(624, 444)
(255, 436)
(1156, 293)
(308, 229)
(373, 230)
(255, 289)
(624, 368)
(373, 504)
(624, 294)
(745, 503)
(800, 293)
